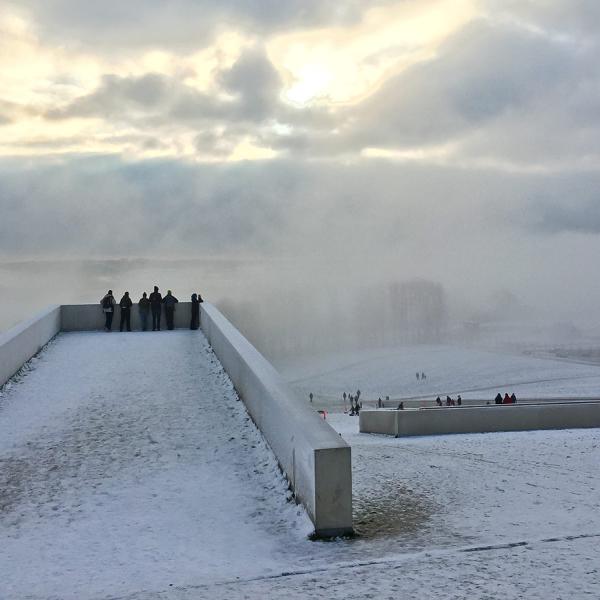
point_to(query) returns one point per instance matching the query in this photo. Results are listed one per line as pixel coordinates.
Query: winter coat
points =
(108, 303)
(155, 299)
(144, 304)
(170, 301)
(125, 303)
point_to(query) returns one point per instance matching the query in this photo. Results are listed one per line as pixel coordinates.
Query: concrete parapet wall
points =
(20, 343)
(90, 317)
(483, 419)
(315, 459)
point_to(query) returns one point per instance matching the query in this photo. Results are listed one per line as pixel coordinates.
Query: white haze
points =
(472, 166)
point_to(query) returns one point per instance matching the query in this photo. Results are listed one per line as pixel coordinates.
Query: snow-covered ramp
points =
(127, 463)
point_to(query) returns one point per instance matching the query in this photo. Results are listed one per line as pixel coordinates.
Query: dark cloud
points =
(117, 96)
(256, 83)
(496, 91)
(252, 81)
(499, 91)
(113, 25)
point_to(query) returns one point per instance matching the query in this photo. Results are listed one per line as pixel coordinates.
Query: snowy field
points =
(471, 372)
(130, 470)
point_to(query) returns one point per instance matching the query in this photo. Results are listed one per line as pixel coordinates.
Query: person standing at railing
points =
(195, 322)
(108, 307)
(144, 308)
(156, 307)
(169, 301)
(125, 305)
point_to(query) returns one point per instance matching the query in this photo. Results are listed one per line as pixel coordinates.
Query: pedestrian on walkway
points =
(195, 322)
(156, 307)
(170, 301)
(144, 308)
(108, 307)
(125, 305)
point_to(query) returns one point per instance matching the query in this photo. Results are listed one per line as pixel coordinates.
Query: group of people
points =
(355, 403)
(147, 305)
(449, 401)
(421, 376)
(512, 399)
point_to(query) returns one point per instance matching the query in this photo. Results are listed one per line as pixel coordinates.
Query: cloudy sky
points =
(452, 139)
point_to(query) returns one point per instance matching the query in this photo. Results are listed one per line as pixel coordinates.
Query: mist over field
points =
(305, 166)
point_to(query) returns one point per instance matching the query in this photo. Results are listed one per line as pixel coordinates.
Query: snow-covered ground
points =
(130, 470)
(473, 373)
(127, 463)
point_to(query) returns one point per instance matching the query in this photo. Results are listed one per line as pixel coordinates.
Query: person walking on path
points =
(144, 307)
(156, 307)
(195, 322)
(125, 305)
(108, 307)
(170, 301)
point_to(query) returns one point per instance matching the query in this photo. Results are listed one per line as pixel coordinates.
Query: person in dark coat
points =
(170, 301)
(513, 398)
(125, 305)
(498, 398)
(438, 401)
(144, 308)
(108, 307)
(156, 307)
(195, 322)
(459, 401)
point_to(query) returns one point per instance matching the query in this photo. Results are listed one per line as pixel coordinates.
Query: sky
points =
(454, 140)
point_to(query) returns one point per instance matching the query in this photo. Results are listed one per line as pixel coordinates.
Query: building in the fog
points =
(418, 311)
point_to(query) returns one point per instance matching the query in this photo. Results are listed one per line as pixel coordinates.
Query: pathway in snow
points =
(127, 463)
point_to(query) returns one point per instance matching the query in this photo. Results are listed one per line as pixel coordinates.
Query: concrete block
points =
(315, 459)
(482, 419)
(25, 340)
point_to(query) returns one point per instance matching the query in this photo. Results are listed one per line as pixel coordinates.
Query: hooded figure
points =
(108, 307)
(125, 305)
(169, 301)
(195, 322)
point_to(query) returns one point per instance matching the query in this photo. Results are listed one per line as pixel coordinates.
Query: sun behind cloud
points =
(341, 65)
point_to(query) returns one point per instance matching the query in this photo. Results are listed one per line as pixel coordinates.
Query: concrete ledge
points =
(315, 459)
(25, 340)
(90, 317)
(484, 419)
